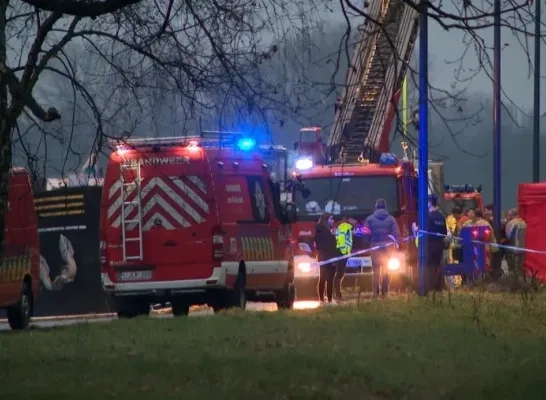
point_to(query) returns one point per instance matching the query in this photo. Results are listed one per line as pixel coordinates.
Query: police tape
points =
(392, 243)
(496, 245)
(419, 234)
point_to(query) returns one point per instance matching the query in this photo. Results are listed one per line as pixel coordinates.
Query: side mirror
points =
(305, 193)
(296, 145)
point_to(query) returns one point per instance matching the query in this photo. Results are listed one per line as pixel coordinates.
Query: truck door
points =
(263, 269)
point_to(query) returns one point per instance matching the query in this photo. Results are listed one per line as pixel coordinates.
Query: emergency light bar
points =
(311, 129)
(387, 159)
(207, 139)
(462, 188)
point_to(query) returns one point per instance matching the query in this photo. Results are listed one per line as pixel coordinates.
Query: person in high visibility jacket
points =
(516, 228)
(344, 244)
(452, 222)
(453, 219)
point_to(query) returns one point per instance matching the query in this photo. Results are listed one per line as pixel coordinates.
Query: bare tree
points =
(124, 59)
(473, 21)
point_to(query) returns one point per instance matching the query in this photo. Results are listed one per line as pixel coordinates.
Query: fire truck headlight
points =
(304, 163)
(393, 264)
(304, 266)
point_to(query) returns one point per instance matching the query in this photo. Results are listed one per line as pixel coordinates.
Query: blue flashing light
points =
(388, 159)
(246, 144)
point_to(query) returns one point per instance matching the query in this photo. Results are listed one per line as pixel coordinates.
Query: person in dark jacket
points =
(325, 243)
(382, 228)
(437, 242)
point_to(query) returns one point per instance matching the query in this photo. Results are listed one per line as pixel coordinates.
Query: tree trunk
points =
(5, 126)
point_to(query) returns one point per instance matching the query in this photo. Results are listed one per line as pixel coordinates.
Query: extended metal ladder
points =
(128, 206)
(377, 70)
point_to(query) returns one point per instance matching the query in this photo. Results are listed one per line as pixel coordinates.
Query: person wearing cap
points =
(437, 234)
(382, 229)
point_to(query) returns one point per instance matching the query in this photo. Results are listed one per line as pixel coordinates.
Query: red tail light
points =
(217, 245)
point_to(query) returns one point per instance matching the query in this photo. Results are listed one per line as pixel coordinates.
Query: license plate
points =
(135, 275)
(359, 262)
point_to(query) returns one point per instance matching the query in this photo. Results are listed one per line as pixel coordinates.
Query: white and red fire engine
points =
(360, 167)
(195, 220)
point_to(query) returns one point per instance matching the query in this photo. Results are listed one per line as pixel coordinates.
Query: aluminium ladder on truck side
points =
(128, 206)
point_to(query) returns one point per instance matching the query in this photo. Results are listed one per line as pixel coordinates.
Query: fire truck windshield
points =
(351, 196)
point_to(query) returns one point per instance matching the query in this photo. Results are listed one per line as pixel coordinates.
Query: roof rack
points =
(276, 147)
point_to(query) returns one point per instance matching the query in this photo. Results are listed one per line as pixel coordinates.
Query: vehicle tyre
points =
(19, 313)
(180, 308)
(285, 298)
(132, 307)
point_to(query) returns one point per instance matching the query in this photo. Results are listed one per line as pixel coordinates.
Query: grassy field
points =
(464, 347)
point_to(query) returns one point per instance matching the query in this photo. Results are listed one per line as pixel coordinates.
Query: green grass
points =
(465, 347)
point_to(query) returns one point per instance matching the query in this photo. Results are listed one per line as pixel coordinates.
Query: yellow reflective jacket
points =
(451, 222)
(344, 238)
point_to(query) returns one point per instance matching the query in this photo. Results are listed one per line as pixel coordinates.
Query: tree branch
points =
(91, 9)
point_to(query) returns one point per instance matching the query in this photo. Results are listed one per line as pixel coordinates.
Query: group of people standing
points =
(512, 235)
(381, 229)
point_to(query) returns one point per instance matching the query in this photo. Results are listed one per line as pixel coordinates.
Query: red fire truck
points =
(311, 145)
(362, 169)
(20, 258)
(194, 220)
(351, 191)
(464, 196)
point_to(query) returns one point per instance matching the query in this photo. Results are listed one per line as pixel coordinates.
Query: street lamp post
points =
(423, 146)
(497, 121)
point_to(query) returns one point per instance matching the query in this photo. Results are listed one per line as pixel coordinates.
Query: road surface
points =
(195, 312)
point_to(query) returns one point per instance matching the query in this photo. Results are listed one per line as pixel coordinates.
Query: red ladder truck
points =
(361, 169)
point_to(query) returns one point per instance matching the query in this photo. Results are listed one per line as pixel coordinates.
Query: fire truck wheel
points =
(19, 313)
(286, 297)
(132, 307)
(180, 308)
